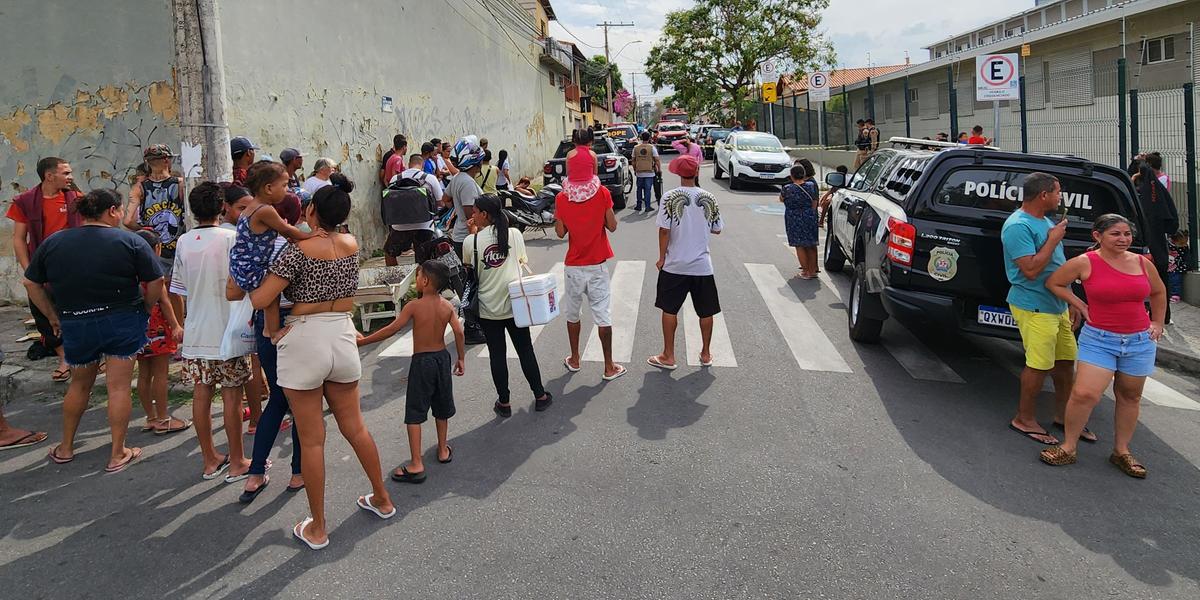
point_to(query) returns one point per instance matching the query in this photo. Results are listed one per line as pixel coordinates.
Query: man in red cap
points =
(686, 217)
(584, 209)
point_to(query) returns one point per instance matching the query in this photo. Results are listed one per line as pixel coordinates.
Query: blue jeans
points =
(277, 404)
(645, 192)
(1175, 283)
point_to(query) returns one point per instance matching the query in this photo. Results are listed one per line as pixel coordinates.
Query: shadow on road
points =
(665, 403)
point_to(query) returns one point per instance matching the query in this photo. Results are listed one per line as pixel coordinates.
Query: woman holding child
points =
(317, 352)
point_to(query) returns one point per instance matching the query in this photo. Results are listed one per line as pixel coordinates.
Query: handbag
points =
(238, 339)
(470, 297)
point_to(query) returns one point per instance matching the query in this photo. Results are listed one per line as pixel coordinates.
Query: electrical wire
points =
(564, 28)
(505, 30)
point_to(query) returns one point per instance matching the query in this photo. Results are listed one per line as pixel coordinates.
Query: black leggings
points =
(498, 355)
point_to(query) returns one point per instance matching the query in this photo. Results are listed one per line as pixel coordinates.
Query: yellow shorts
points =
(1047, 337)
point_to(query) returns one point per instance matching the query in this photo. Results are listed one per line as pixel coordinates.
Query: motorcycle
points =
(531, 211)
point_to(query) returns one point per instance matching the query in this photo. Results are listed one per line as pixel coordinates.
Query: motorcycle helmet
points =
(467, 152)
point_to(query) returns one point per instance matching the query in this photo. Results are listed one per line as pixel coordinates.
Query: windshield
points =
(599, 146)
(758, 142)
(670, 127)
(718, 134)
(680, 117)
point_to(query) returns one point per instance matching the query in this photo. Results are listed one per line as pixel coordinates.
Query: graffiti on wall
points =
(100, 131)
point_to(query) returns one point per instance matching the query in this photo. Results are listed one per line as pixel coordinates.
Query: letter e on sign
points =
(997, 77)
(818, 86)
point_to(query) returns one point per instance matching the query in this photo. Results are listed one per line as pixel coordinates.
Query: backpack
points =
(863, 141)
(440, 249)
(405, 201)
(643, 158)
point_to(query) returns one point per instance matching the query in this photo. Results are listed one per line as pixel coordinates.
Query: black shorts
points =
(429, 387)
(399, 242)
(673, 289)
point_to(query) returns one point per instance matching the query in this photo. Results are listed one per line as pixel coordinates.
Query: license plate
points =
(996, 317)
(766, 176)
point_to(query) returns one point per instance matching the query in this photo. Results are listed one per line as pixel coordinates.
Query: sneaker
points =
(542, 404)
(503, 411)
(1175, 299)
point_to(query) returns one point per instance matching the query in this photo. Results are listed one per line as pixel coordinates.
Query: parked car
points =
(751, 156)
(694, 132)
(921, 231)
(668, 132)
(612, 167)
(711, 137)
(625, 137)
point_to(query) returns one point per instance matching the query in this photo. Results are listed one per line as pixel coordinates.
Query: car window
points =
(757, 142)
(898, 178)
(599, 146)
(1000, 191)
(670, 127)
(864, 179)
(718, 134)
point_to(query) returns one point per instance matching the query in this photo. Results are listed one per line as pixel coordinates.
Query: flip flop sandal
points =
(616, 375)
(294, 489)
(298, 531)
(364, 502)
(405, 477)
(1058, 457)
(58, 460)
(654, 362)
(29, 439)
(706, 364)
(567, 364)
(185, 425)
(1030, 434)
(134, 454)
(60, 375)
(1128, 465)
(1095, 438)
(217, 473)
(248, 497)
(449, 455)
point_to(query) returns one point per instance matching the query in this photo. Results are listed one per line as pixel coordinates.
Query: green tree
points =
(593, 77)
(710, 53)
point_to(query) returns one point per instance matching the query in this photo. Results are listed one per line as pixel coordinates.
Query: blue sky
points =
(883, 28)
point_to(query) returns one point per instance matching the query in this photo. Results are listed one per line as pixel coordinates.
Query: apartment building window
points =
(912, 94)
(987, 39)
(1018, 30)
(1159, 50)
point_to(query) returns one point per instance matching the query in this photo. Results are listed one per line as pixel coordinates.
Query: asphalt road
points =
(814, 468)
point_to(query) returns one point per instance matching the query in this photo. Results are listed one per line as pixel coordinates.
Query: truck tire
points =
(862, 328)
(717, 172)
(835, 259)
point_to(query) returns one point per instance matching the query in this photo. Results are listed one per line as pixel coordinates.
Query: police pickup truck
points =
(921, 230)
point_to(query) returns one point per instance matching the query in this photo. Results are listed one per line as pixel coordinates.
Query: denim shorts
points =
(120, 334)
(1130, 353)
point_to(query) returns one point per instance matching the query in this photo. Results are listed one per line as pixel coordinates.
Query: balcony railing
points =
(556, 56)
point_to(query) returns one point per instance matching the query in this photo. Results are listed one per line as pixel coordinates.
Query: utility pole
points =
(608, 64)
(202, 84)
(633, 86)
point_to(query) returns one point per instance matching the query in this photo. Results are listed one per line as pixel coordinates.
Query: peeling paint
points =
(11, 126)
(20, 168)
(345, 152)
(116, 100)
(163, 101)
(57, 122)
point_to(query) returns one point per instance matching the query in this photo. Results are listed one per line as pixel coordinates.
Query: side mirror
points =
(835, 179)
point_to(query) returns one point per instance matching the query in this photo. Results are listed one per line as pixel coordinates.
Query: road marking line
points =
(403, 346)
(626, 298)
(811, 348)
(917, 359)
(720, 346)
(536, 330)
(1163, 395)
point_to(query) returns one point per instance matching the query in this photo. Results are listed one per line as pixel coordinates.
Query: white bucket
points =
(534, 299)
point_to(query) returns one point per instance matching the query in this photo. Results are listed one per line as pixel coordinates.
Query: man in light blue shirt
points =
(1032, 251)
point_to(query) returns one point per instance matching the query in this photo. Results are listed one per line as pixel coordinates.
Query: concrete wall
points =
(309, 74)
(85, 81)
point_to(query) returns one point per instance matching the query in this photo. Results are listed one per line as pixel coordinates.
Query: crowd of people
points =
(261, 286)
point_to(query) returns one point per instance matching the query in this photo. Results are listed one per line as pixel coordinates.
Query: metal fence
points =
(1082, 109)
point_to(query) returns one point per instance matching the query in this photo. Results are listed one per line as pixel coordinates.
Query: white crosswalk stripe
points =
(719, 346)
(626, 300)
(536, 330)
(810, 347)
(917, 359)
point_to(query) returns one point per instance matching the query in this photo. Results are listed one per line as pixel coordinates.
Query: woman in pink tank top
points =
(1119, 340)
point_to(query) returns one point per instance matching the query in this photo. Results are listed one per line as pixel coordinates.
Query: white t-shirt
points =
(200, 272)
(314, 183)
(495, 273)
(691, 214)
(500, 178)
(432, 185)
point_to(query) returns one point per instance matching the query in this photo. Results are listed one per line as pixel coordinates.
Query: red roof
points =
(837, 78)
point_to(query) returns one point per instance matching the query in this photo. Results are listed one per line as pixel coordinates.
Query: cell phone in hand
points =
(1062, 213)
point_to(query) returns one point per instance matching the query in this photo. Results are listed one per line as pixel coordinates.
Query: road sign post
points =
(996, 79)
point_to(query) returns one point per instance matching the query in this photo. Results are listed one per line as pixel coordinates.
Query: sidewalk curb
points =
(1178, 361)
